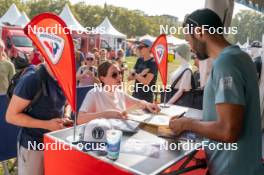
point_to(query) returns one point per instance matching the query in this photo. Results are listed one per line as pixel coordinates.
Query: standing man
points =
(46, 114)
(145, 72)
(231, 111)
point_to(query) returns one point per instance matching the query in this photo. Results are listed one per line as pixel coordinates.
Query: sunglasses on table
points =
(115, 74)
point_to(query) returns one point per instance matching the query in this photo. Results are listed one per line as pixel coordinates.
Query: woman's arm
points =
(176, 96)
(84, 117)
(185, 85)
(132, 103)
(79, 75)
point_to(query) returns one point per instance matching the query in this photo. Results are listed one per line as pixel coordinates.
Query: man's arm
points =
(15, 116)
(226, 128)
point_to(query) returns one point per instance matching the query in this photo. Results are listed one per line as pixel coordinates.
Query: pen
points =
(180, 116)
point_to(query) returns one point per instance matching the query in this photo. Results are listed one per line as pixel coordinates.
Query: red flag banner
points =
(51, 36)
(159, 50)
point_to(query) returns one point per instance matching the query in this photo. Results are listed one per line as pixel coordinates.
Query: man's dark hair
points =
(203, 17)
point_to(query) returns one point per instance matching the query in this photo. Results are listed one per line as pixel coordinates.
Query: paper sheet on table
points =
(173, 110)
(139, 147)
(138, 115)
(162, 118)
(159, 120)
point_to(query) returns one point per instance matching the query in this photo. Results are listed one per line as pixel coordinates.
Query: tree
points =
(249, 24)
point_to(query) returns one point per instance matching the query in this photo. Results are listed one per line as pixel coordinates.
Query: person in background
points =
(182, 75)
(96, 56)
(35, 57)
(145, 72)
(95, 50)
(7, 71)
(87, 74)
(79, 56)
(196, 73)
(110, 101)
(103, 56)
(255, 52)
(119, 60)
(231, 111)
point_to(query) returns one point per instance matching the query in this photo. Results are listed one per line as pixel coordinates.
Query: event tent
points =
(112, 36)
(11, 15)
(147, 36)
(172, 40)
(22, 20)
(70, 20)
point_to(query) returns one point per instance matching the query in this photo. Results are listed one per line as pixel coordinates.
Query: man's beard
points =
(200, 49)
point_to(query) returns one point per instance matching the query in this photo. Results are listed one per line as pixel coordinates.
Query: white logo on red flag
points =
(159, 49)
(53, 45)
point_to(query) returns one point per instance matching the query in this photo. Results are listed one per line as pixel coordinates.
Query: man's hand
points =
(68, 122)
(178, 125)
(54, 124)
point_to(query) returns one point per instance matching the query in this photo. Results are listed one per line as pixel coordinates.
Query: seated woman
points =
(87, 74)
(109, 101)
(181, 77)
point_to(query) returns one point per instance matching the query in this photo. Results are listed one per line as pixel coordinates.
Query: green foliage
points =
(249, 24)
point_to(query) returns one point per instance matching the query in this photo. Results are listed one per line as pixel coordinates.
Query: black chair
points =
(81, 93)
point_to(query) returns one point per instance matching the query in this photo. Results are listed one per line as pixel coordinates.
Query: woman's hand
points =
(114, 114)
(152, 107)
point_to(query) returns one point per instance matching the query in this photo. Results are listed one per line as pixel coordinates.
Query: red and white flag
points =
(159, 50)
(51, 36)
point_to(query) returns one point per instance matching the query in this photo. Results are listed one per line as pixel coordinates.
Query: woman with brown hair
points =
(109, 101)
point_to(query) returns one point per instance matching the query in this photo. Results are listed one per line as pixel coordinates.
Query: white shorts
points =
(29, 161)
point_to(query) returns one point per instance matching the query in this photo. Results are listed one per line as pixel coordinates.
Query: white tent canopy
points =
(108, 33)
(175, 41)
(70, 20)
(107, 29)
(147, 36)
(11, 15)
(22, 20)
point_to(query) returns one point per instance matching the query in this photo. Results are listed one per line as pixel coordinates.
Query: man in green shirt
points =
(231, 109)
(7, 70)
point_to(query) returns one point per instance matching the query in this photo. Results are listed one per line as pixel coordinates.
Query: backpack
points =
(42, 89)
(20, 63)
(192, 98)
(258, 64)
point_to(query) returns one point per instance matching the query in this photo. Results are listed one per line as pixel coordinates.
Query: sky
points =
(178, 8)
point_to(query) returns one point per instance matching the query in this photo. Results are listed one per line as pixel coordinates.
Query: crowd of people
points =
(230, 102)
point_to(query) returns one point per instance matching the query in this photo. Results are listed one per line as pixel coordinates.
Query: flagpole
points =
(75, 117)
(74, 126)
(165, 98)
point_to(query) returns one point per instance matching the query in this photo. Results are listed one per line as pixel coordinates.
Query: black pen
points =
(180, 116)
